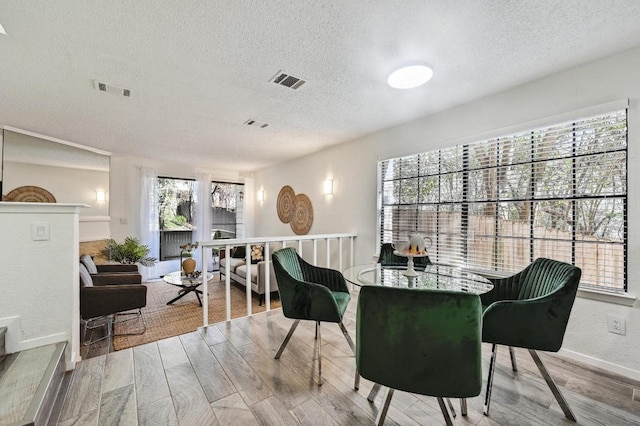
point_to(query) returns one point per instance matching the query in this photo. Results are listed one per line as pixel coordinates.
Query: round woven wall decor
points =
(302, 215)
(286, 202)
(30, 194)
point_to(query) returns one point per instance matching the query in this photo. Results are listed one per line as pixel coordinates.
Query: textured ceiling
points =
(198, 70)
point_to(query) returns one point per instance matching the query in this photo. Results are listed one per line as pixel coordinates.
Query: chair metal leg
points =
(492, 366)
(286, 339)
(96, 323)
(139, 314)
(514, 365)
(356, 381)
(319, 343)
(348, 337)
(463, 406)
(374, 392)
(382, 414)
(317, 324)
(453, 410)
(445, 413)
(552, 385)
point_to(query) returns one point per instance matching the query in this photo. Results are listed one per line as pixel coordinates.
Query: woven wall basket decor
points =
(30, 194)
(285, 204)
(302, 215)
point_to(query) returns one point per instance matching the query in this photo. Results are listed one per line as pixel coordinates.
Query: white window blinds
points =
(558, 192)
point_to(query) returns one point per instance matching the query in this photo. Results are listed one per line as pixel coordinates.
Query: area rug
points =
(184, 315)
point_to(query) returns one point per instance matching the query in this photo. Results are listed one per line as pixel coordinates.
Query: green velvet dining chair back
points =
(530, 310)
(308, 292)
(386, 257)
(421, 341)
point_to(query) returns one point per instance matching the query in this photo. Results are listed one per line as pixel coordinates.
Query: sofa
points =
(238, 268)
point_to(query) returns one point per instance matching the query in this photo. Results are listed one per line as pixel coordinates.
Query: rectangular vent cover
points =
(255, 123)
(110, 88)
(284, 79)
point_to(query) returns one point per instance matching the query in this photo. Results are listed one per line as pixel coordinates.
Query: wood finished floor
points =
(226, 375)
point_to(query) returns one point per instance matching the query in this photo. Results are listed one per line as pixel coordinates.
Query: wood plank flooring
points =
(225, 374)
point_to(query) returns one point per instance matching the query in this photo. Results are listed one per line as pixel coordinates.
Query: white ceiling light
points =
(410, 77)
(2, 31)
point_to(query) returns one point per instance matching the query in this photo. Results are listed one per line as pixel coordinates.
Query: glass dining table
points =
(435, 277)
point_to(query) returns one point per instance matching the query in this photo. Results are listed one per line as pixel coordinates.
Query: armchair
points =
(310, 293)
(115, 268)
(103, 296)
(530, 310)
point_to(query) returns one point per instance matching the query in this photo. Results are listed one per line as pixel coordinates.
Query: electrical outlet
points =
(616, 324)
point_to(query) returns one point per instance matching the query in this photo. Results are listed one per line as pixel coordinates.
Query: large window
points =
(176, 215)
(558, 192)
(227, 210)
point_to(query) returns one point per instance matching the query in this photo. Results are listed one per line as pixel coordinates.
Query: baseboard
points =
(599, 363)
(11, 339)
(42, 341)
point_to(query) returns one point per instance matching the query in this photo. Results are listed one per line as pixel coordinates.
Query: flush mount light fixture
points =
(261, 195)
(410, 77)
(101, 196)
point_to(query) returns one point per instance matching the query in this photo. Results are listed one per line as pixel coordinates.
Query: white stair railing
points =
(266, 242)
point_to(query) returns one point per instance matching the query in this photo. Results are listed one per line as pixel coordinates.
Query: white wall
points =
(68, 185)
(39, 279)
(125, 188)
(353, 168)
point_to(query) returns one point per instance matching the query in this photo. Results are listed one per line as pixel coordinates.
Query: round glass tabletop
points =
(438, 277)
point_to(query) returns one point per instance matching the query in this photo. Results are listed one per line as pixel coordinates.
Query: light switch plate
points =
(40, 231)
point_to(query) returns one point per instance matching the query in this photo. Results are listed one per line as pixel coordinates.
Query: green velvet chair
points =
(421, 341)
(310, 293)
(387, 258)
(530, 310)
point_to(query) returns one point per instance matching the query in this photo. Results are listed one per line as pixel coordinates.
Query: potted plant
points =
(130, 252)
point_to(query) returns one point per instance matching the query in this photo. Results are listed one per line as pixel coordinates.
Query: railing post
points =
(205, 287)
(328, 253)
(315, 252)
(248, 277)
(267, 278)
(351, 254)
(227, 280)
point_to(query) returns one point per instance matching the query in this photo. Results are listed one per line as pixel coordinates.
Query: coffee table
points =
(187, 284)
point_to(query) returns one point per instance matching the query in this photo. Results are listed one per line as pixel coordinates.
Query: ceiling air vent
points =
(110, 88)
(284, 79)
(255, 123)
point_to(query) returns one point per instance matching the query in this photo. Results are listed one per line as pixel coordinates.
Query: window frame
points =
(400, 175)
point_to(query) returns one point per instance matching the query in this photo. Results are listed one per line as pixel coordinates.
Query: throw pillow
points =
(256, 254)
(239, 252)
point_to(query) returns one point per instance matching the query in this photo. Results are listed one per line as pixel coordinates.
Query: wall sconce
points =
(261, 195)
(101, 196)
(327, 188)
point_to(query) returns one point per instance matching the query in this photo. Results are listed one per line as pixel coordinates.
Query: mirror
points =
(37, 168)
